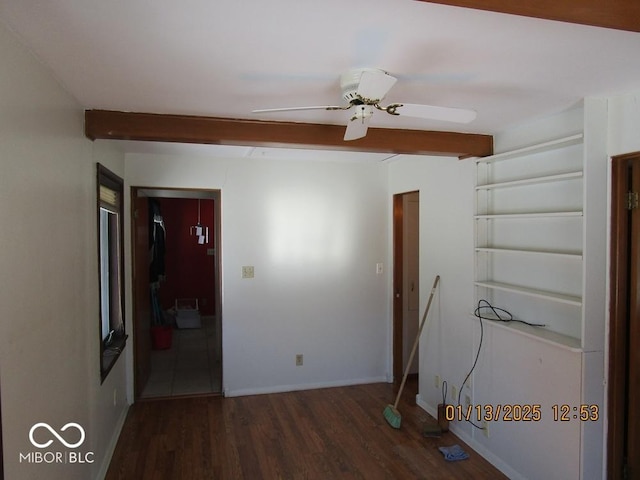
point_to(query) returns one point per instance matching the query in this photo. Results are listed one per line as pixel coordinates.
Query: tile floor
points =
(192, 365)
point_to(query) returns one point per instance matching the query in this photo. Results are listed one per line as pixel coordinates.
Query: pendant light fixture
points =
(202, 233)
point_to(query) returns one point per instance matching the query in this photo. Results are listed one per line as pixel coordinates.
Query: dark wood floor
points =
(315, 434)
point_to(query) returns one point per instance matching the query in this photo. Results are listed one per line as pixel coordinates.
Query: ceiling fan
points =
(364, 88)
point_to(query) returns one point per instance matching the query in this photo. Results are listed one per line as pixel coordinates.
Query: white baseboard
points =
(303, 386)
(487, 454)
(108, 454)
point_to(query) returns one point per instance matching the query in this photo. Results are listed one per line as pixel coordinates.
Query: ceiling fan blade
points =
(357, 128)
(447, 114)
(291, 109)
(374, 85)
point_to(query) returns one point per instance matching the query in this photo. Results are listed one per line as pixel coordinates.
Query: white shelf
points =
(529, 215)
(577, 256)
(531, 292)
(538, 333)
(532, 181)
(533, 149)
(520, 196)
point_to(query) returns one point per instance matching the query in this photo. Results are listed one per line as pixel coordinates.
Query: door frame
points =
(618, 313)
(217, 265)
(136, 321)
(398, 285)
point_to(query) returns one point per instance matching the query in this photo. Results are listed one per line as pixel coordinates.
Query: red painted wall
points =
(189, 270)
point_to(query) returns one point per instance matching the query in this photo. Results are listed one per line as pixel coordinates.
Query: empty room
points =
(391, 239)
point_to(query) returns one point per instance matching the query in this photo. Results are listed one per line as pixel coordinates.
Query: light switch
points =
(247, 271)
(379, 268)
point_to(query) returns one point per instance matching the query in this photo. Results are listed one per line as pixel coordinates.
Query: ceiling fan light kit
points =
(362, 112)
(364, 88)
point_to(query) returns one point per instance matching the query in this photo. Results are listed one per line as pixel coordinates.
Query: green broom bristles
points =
(392, 416)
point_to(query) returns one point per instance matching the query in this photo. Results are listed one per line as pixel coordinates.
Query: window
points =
(110, 235)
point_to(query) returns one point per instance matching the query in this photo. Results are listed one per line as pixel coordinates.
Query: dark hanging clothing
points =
(157, 240)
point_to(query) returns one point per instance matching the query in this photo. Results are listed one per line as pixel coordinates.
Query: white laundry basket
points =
(187, 313)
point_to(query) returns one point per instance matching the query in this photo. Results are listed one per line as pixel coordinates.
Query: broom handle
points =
(415, 343)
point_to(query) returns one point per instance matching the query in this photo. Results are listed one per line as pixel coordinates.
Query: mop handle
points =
(415, 343)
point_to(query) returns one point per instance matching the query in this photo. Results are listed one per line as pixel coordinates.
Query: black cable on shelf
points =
(499, 315)
(507, 318)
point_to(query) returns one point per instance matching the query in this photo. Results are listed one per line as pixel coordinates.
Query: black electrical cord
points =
(444, 392)
(484, 304)
(475, 362)
(497, 317)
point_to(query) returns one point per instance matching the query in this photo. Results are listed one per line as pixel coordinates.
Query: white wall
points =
(49, 341)
(314, 231)
(624, 119)
(446, 249)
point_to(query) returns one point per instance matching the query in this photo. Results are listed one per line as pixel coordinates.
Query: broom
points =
(391, 413)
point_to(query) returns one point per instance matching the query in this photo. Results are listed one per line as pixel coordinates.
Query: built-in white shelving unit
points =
(529, 237)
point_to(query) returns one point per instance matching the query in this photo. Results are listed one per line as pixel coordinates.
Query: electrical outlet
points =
(436, 381)
(299, 360)
(485, 428)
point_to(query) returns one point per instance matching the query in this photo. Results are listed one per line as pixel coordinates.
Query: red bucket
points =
(161, 337)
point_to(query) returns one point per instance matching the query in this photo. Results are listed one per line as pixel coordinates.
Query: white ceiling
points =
(224, 58)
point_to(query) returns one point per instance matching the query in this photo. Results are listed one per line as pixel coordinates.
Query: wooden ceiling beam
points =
(106, 124)
(615, 14)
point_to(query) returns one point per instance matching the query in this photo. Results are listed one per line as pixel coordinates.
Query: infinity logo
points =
(55, 434)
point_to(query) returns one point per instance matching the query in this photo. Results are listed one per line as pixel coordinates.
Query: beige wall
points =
(49, 341)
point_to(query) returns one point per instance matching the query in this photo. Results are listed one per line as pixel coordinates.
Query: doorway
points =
(177, 312)
(406, 282)
(623, 442)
